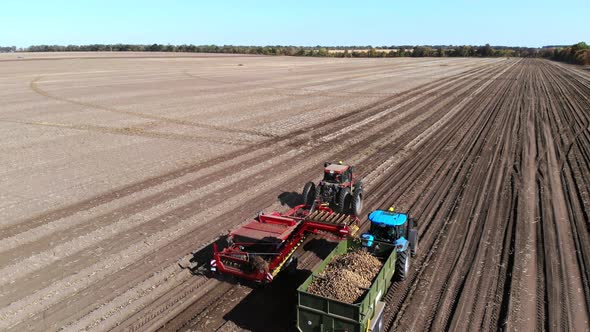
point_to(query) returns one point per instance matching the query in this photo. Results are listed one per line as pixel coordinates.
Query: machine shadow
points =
(272, 307)
(199, 262)
(290, 199)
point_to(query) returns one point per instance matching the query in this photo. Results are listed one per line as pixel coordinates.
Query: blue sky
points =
(511, 23)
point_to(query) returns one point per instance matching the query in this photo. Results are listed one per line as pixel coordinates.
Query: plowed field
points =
(114, 166)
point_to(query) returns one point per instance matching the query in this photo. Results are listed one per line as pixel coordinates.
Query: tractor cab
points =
(391, 231)
(391, 228)
(337, 173)
(339, 188)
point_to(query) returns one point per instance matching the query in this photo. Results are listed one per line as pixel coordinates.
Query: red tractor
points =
(339, 188)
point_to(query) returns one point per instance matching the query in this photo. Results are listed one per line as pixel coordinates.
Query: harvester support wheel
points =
(309, 193)
(357, 202)
(402, 265)
(344, 200)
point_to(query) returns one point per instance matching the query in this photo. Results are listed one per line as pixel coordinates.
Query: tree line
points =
(7, 49)
(577, 53)
(330, 51)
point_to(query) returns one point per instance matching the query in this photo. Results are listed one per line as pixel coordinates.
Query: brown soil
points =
(113, 168)
(347, 277)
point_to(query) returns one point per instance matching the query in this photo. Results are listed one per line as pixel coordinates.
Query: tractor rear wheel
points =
(344, 200)
(402, 265)
(309, 193)
(357, 202)
(316, 198)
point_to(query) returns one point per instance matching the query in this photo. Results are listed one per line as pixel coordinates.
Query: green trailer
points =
(320, 314)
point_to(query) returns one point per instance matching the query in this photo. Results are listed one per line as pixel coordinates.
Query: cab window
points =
(345, 177)
(330, 177)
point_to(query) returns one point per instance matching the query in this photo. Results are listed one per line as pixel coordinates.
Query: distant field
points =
(360, 50)
(115, 165)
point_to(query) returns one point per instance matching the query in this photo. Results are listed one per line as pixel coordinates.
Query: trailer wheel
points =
(402, 265)
(357, 202)
(309, 193)
(344, 200)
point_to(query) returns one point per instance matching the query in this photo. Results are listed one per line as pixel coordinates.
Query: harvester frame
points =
(263, 247)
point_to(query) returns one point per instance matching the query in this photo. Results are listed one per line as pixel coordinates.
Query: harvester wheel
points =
(402, 265)
(309, 193)
(344, 200)
(357, 202)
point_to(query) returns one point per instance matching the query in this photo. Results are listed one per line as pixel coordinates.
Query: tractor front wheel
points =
(402, 265)
(344, 200)
(357, 202)
(309, 193)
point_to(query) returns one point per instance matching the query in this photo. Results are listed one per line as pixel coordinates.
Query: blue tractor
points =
(393, 230)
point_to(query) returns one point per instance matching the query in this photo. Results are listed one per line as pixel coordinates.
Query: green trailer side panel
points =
(321, 314)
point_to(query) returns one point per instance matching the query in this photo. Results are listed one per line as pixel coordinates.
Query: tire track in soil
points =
(120, 213)
(132, 131)
(554, 285)
(573, 294)
(426, 161)
(295, 138)
(118, 193)
(35, 86)
(494, 226)
(441, 203)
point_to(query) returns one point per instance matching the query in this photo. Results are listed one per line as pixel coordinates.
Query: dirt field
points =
(114, 166)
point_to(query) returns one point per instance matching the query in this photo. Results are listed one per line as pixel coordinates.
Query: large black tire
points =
(318, 191)
(402, 265)
(309, 193)
(291, 267)
(358, 185)
(356, 206)
(344, 199)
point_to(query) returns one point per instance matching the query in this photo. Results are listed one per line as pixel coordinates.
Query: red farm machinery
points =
(263, 247)
(339, 188)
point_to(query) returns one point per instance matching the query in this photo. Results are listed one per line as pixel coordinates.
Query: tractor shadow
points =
(272, 307)
(290, 199)
(201, 258)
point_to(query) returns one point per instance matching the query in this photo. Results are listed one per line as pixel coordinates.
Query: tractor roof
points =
(336, 168)
(387, 218)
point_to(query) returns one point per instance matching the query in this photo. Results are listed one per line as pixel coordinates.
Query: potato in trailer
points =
(322, 314)
(391, 239)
